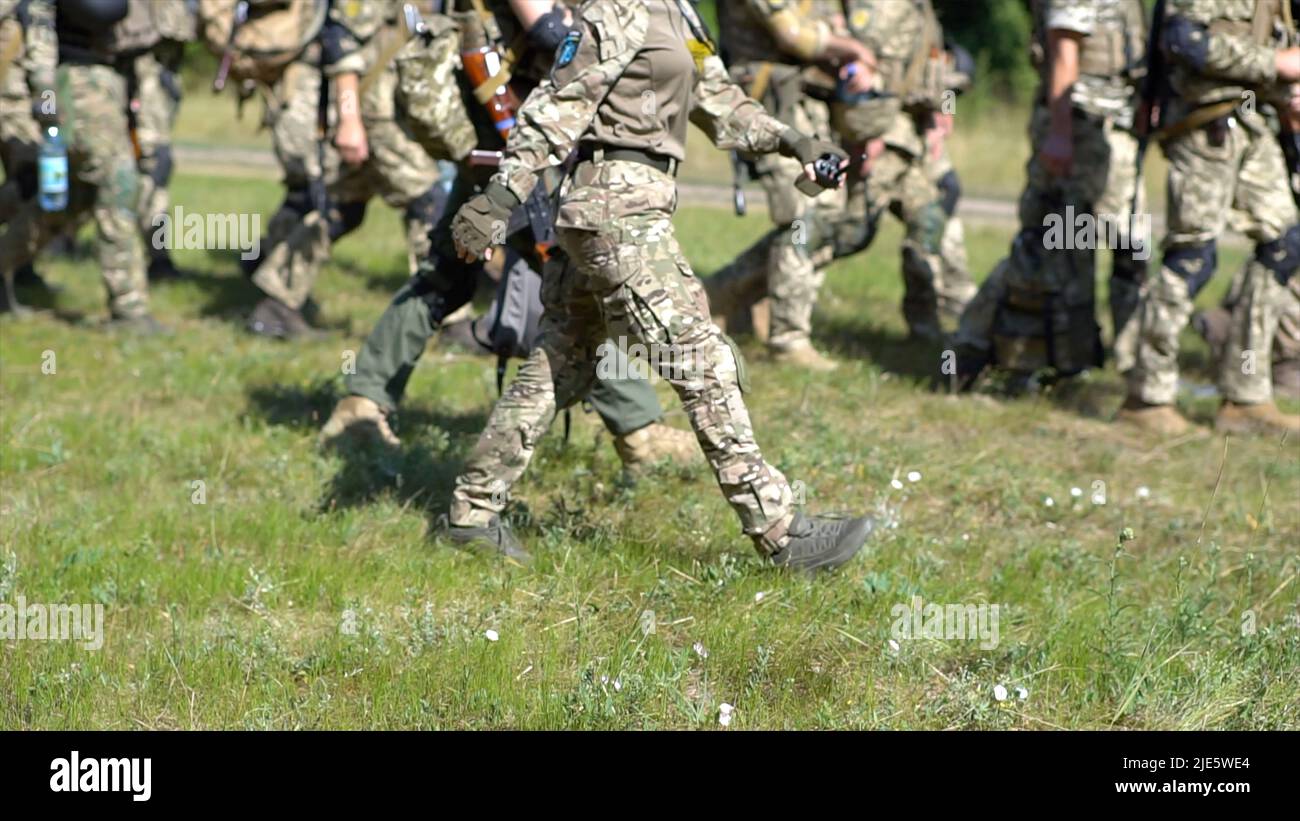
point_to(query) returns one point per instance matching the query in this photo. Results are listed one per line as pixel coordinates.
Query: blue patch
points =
(568, 49)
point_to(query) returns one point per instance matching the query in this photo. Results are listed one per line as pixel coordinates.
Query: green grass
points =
(305, 592)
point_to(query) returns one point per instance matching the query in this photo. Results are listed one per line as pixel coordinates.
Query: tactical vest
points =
(276, 32)
(1267, 23)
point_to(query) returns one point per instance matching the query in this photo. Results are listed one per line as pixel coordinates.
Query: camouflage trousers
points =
(788, 263)
(908, 181)
(628, 282)
(1229, 170)
(398, 170)
(1101, 188)
(104, 179)
(158, 90)
(1286, 342)
(20, 136)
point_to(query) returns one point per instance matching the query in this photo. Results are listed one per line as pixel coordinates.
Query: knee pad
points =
(163, 163)
(333, 42)
(427, 208)
(950, 187)
(298, 199)
(1282, 255)
(1194, 264)
(1128, 267)
(444, 285)
(346, 218)
(1187, 41)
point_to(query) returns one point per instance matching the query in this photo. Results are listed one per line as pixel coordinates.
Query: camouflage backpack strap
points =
(396, 36)
(914, 77)
(486, 90)
(1266, 13)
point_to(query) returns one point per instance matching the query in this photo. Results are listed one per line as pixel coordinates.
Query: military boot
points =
(358, 415)
(1261, 418)
(802, 354)
(1286, 378)
(162, 268)
(275, 319)
(655, 443)
(1162, 420)
(1213, 326)
(496, 537)
(822, 543)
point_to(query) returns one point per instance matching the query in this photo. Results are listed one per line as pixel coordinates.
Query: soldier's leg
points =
(158, 89)
(558, 372)
(1203, 167)
(100, 154)
(954, 285)
(919, 204)
(1133, 244)
(662, 306)
(1264, 196)
(1286, 344)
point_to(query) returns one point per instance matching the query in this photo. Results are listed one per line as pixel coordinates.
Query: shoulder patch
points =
(568, 48)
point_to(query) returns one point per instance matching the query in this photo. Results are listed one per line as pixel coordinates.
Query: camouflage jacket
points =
(748, 29)
(1223, 50)
(635, 78)
(907, 41)
(1112, 54)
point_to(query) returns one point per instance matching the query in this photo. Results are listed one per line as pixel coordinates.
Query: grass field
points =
(304, 591)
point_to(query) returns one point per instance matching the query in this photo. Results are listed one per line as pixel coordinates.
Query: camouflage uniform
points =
(626, 276)
(907, 178)
(298, 240)
(20, 135)
(157, 88)
(443, 283)
(789, 263)
(92, 97)
(1231, 164)
(1036, 286)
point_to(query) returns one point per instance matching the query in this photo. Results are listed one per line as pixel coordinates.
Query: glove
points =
(481, 222)
(828, 161)
(807, 150)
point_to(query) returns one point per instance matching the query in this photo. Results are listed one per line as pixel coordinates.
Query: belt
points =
(594, 152)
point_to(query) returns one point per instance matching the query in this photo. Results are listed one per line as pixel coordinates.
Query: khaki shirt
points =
(632, 82)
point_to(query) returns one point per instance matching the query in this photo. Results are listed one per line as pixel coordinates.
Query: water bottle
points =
(53, 172)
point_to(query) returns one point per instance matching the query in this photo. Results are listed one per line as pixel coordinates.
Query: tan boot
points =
(357, 415)
(1261, 418)
(802, 354)
(654, 443)
(1162, 420)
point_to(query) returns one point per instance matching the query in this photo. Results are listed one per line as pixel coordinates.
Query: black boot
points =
(496, 536)
(162, 268)
(275, 319)
(822, 543)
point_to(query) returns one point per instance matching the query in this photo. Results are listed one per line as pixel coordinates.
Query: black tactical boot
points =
(496, 536)
(822, 543)
(275, 319)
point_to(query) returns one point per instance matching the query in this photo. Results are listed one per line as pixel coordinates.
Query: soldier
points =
(1215, 325)
(309, 98)
(1225, 59)
(899, 133)
(770, 47)
(625, 275)
(1037, 309)
(20, 132)
(156, 94)
(530, 31)
(94, 39)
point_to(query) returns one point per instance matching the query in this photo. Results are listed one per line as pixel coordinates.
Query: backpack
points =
(274, 34)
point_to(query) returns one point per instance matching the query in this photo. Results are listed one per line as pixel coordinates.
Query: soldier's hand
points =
(351, 141)
(807, 150)
(858, 77)
(481, 222)
(1288, 64)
